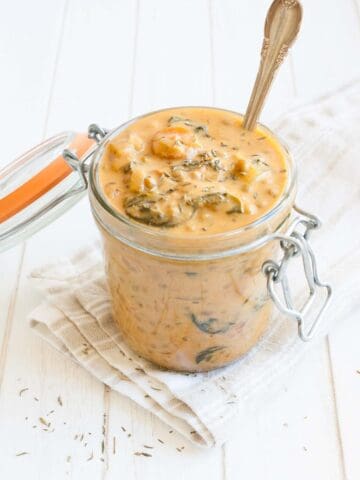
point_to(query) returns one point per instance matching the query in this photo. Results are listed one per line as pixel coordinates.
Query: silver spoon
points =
(281, 28)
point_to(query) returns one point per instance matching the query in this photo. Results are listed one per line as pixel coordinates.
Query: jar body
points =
(188, 315)
(188, 304)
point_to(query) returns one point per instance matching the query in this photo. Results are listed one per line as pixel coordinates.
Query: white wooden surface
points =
(67, 63)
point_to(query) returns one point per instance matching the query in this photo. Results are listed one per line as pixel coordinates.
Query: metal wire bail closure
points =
(296, 243)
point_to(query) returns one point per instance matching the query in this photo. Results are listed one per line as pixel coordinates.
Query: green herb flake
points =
(206, 355)
(211, 325)
(22, 391)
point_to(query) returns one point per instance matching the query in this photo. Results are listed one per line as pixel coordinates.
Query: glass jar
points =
(189, 304)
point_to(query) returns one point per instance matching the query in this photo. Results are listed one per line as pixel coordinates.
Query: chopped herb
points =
(211, 325)
(147, 446)
(236, 209)
(91, 457)
(145, 208)
(142, 454)
(22, 391)
(59, 400)
(21, 454)
(206, 355)
(259, 161)
(44, 422)
(160, 441)
(191, 274)
(102, 446)
(114, 445)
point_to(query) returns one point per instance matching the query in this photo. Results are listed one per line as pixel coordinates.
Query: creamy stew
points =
(191, 172)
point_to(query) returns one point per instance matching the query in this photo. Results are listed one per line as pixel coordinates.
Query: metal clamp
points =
(296, 243)
(95, 133)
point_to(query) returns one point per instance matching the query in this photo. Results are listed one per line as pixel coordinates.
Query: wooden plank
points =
(168, 71)
(30, 362)
(286, 432)
(237, 40)
(292, 435)
(24, 106)
(330, 62)
(327, 51)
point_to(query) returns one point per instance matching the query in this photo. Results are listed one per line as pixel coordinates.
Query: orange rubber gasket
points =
(43, 181)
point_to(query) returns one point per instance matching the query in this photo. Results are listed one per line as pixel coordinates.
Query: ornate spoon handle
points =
(281, 28)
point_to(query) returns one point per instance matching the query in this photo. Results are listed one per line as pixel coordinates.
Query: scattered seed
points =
(129, 435)
(159, 440)
(178, 449)
(102, 446)
(22, 391)
(21, 454)
(171, 431)
(59, 400)
(36, 399)
(305, 449)
(123, 429)
(44, 422)
(91, 457)
(114, 445)
(147, 446)
(142, 454)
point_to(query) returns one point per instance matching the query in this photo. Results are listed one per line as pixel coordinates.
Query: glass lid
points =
(41, 185)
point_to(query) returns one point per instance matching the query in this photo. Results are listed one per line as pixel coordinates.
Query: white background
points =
(67, 63)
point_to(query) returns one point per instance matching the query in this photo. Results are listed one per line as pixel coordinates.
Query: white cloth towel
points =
(76, 319)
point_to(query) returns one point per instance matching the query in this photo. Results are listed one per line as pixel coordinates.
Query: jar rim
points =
(146, 230)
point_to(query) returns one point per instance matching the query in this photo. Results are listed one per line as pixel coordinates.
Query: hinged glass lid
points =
(39, 186)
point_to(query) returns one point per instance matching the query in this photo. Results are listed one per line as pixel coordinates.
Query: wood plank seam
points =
(212, 48)
(10, 317)
(56, 62)
(356, 4)
(105, 432)
(337, 420)
(107, 392)
(135, 56)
